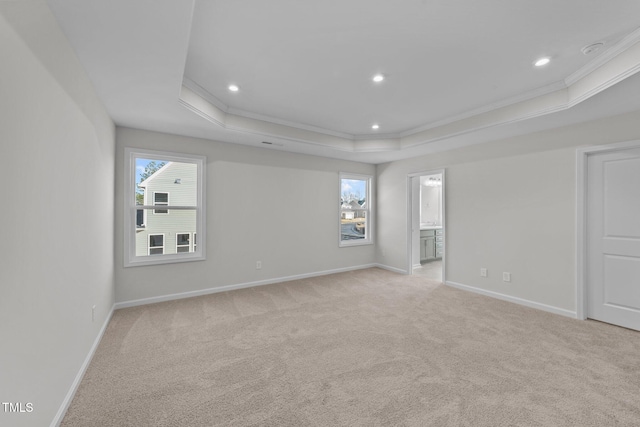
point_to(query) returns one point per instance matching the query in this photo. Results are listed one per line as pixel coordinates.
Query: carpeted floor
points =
(368, 347)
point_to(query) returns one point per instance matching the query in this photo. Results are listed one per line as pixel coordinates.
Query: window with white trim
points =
(183, 242)
(156, 244)
(164, 207)
(355, 217)
(160, 199)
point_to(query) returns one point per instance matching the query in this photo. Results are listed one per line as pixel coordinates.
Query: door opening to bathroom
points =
(426, 231)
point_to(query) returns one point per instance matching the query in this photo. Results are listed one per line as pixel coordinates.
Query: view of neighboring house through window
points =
(355, 209)
(164, 207)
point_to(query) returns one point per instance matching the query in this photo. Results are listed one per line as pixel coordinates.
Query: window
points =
(156, 244)
(164, 207)
(355, 210)
(182, 242)
(160, 199)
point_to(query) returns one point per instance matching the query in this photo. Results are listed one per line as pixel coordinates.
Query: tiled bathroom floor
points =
(431, 270)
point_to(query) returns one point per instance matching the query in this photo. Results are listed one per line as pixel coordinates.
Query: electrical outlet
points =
(93, 313)
(506, 277)
(483, 272)
(258, 265)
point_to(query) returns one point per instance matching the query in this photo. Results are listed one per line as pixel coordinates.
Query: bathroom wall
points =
(430, 205)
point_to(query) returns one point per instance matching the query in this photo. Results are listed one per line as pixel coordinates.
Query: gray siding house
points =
(168, 231)
(347, 213)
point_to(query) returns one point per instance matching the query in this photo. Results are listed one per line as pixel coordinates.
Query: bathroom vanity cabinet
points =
(431, 244)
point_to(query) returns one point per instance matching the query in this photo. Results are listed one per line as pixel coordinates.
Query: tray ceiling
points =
(456, 72)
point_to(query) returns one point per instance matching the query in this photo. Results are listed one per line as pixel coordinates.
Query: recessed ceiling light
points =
(234, 88)
(378, 78)
(375, 127)
(542, 62)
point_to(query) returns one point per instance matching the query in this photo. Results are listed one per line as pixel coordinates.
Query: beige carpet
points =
(363, 348)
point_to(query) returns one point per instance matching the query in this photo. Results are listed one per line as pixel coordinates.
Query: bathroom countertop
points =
(430, 227)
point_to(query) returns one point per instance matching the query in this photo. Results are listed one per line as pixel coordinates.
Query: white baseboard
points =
(516, 300)
(76, 382)
(190, 294)
(389, 268)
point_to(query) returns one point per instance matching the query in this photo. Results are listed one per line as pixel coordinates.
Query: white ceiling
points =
(458, 72)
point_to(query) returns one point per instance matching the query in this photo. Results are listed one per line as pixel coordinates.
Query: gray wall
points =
(262, 205)
(57, 148)
(510, 206)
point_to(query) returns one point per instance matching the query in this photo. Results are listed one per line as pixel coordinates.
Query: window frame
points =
(130, 208)
(156, 203)
(189, 245)
(149, 247)
(368, 239)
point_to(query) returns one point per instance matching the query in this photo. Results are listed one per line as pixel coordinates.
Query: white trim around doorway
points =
(582, 155)
(409, 262)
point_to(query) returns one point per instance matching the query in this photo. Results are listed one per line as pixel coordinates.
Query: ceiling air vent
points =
(589, 49)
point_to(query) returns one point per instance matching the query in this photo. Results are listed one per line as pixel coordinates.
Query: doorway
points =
(426, 234)
(609, 234)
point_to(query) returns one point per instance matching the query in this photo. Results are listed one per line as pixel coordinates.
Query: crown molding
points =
(603, 86)
(202, 92)
(621, 66)
(301, 126)
(377, 136)
(600, 60)
(525, 96)
(487, 122)
(200, 106)
(618, 67)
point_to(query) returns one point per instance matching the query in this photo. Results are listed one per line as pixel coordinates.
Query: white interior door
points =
(613, 237)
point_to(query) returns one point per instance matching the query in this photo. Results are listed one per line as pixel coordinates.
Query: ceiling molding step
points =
(199, 90)
(200, 106)
(275, 130)
(301, 126)
(197, 104)
(536, 93)
(278, 138)
(524, 110)
(377, 145)
(202, 92)
(203, 108)
(377, 136)
(467, 131)
(623, 65)
(609, 54)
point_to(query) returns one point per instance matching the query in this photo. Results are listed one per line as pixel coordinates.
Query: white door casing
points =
(413, 217)
(612, 271)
